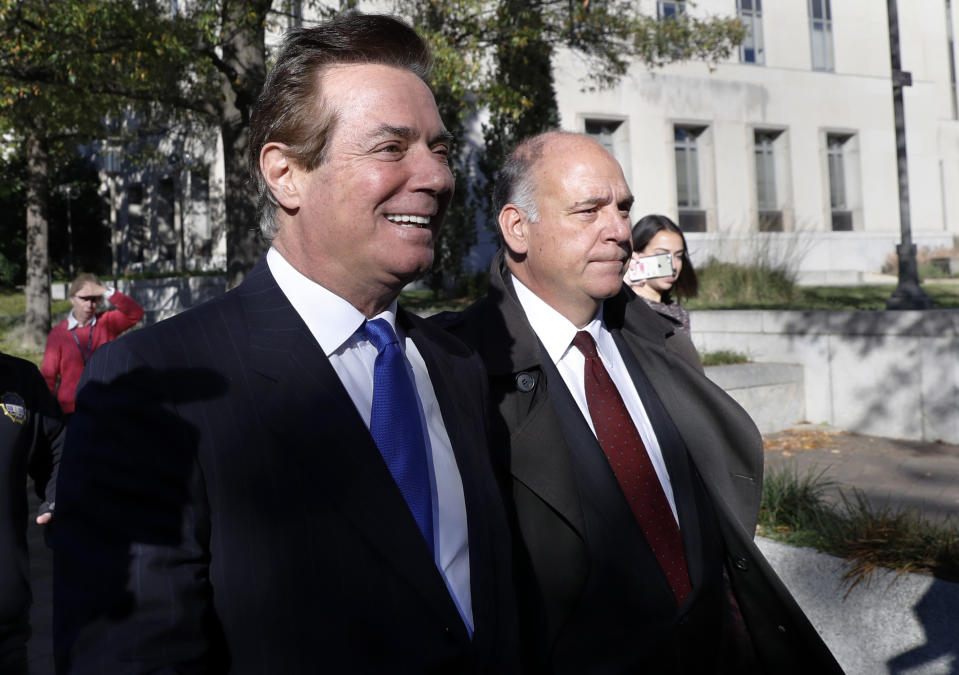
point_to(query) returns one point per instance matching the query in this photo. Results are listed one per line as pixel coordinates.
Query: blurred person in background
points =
(31, 438)
(657, 235)
(72, 342)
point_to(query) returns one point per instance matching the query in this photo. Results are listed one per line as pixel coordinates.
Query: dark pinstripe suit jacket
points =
(224, 509)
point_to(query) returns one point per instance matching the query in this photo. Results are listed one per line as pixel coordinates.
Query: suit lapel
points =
(314, 423)
(540, 454)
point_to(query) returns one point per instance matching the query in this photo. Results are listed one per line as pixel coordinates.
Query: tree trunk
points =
(38, 257)
(244, 54)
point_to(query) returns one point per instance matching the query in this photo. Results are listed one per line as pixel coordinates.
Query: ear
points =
(280, 175)
(513, 225)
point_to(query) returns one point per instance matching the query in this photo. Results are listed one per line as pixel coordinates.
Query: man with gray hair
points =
(294, 477)
(634, 482)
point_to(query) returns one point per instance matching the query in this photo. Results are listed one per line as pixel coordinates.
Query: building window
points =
(838, 203)
(770, 215)
(751, 14)
(666, 9)
(820, 30)
(603, 132)
(841, 170)
(613, 135)
(692, 215)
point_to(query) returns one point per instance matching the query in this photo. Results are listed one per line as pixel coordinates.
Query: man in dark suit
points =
(635, 481)
(31, 438)
(242, 490)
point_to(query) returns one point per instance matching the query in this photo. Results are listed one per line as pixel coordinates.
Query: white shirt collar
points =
(554, 330)
(331, 319)
(72, 321)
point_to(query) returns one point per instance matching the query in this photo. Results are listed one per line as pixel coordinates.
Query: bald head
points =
(563, 210)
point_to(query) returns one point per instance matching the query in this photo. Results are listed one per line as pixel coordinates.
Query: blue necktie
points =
(395, 425)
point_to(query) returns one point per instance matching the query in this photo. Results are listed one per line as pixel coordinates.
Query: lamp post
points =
(908, 293)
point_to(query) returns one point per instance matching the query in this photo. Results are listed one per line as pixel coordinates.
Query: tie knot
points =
(380, 333)
(585, 343)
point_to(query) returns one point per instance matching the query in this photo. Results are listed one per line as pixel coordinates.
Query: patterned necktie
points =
(637, 478)
(395, 425)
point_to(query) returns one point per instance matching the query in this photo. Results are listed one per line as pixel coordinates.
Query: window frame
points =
(823, 55)
(691, 211)
(752, 17)
(678, 8)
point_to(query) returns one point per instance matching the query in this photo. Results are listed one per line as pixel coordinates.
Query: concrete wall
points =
(892, 623)
(892, 374)
(162, 298)
(772, 393)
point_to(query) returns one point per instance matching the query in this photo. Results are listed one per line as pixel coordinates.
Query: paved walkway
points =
(909, 474)
(914, 475)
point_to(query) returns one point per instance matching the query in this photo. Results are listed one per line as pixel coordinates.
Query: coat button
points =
(741, 563)
(525, 382)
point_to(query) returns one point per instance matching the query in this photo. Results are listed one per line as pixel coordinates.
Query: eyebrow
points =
(626, 204)
(407, 132)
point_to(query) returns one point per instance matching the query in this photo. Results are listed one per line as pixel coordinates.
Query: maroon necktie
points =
(627, 456)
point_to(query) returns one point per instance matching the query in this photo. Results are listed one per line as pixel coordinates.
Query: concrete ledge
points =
(163, 298)
(772, 393)
(881, 373)
(895, 623)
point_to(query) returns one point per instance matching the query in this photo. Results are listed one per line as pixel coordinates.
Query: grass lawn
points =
(12, 310)
(944, 294)
(795, 511)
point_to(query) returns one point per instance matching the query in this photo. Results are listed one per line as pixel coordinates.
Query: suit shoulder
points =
(20, 368)
(467, 324)
(436, 329)
(185, 330)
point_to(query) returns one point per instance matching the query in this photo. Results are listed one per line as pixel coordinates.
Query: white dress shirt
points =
(334, 323)
(556, 333)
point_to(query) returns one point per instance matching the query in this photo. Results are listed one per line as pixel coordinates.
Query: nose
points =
(431, 172)
(618, 226)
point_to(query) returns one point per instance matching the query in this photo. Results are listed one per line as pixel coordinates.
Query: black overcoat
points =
(581, 572)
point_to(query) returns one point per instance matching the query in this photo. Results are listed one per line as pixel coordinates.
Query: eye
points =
(442, 150)
(390, 148)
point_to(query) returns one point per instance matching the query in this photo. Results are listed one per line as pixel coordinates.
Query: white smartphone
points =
(651, 267)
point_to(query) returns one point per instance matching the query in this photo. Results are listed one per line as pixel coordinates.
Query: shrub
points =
(723, 358)
(731, 285)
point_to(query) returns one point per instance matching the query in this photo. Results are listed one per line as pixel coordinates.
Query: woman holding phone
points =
(657, 243)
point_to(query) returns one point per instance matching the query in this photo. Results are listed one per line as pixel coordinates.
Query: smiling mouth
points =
(404, 220)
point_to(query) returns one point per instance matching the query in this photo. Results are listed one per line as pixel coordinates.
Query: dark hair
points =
(287, 109)
(686, 286)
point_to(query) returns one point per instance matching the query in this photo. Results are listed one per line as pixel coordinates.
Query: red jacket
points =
(68, 351)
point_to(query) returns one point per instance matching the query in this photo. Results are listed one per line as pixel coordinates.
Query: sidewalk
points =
(894, 623)
(915, 475)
